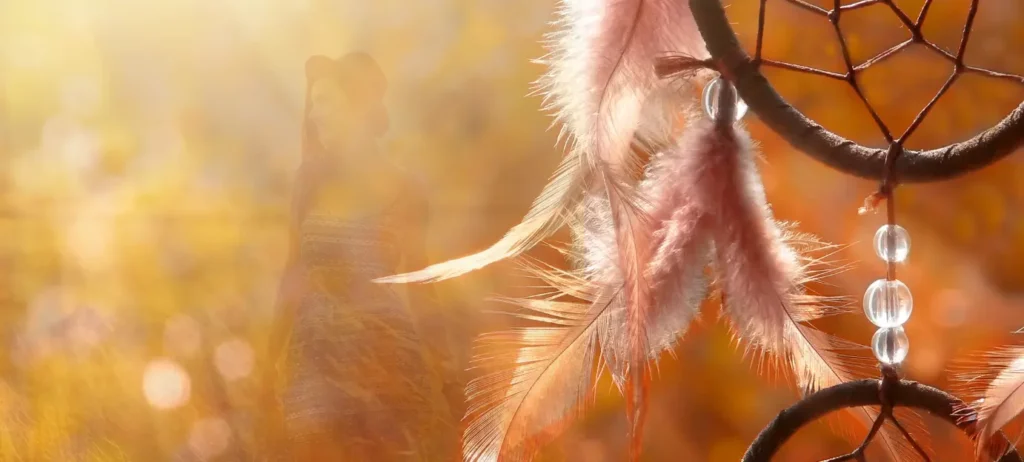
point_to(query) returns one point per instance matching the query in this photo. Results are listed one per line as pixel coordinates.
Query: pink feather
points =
(506, 420)
(762, 274)
(1003, 399)
(600, 80)
(678, 250)
(602, 69)
(537, 380)
(602, 73)
(659, 268)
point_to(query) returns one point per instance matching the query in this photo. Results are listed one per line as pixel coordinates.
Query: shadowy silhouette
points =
(358, 372)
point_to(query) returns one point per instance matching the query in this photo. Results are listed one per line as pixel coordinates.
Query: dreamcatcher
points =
(650, 242)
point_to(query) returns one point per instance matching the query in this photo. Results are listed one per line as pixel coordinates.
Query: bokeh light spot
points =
(166, 384)
(234, 359)
(209, 438)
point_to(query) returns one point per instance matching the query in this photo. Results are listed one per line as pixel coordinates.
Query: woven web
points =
(917, 36)
(915, 26)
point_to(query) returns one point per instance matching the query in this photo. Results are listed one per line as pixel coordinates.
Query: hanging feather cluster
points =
(700, 202)
(641, 247)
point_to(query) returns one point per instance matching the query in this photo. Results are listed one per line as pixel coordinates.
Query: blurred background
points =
(146, 159)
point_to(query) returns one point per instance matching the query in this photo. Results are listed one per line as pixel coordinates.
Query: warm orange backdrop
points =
(146, 151)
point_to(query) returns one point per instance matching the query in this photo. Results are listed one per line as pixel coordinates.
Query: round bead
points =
(890, 345)
(888, 303)
(900, 240)
(710, 100)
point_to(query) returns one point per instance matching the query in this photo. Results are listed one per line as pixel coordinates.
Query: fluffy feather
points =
(762, 272)
(661, 275)
(612, 45)
(760, 275)
(538, 378)
(681, 243)
(676, 274)
(1003, 400)
(755, 267)
(600, 80)
(601, 69)
(678, 248)
(670, 282)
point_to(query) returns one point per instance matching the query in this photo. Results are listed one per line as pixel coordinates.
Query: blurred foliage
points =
(147, 150)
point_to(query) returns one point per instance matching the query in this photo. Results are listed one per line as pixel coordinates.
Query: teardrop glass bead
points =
(892, 243)
(710, 100)
(888, 303)
(890, 345)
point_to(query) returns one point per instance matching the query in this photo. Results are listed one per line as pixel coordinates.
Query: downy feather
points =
(1003, 400)
(611, 46)
(679, 248)
(599, 80)
(536, 379)
(762, 274)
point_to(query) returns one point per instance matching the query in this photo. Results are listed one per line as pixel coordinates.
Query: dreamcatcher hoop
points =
(898, 393)
(888, 165)
(840, 153)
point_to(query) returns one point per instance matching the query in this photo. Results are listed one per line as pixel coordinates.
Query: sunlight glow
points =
(166, 384)
(1017, 366)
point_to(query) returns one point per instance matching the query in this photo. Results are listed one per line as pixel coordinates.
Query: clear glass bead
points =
(890, 345)
(897, 253)
(888, 303)
(710, 100)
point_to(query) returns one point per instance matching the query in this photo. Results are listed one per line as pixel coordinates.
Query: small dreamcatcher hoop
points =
(888, 303)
